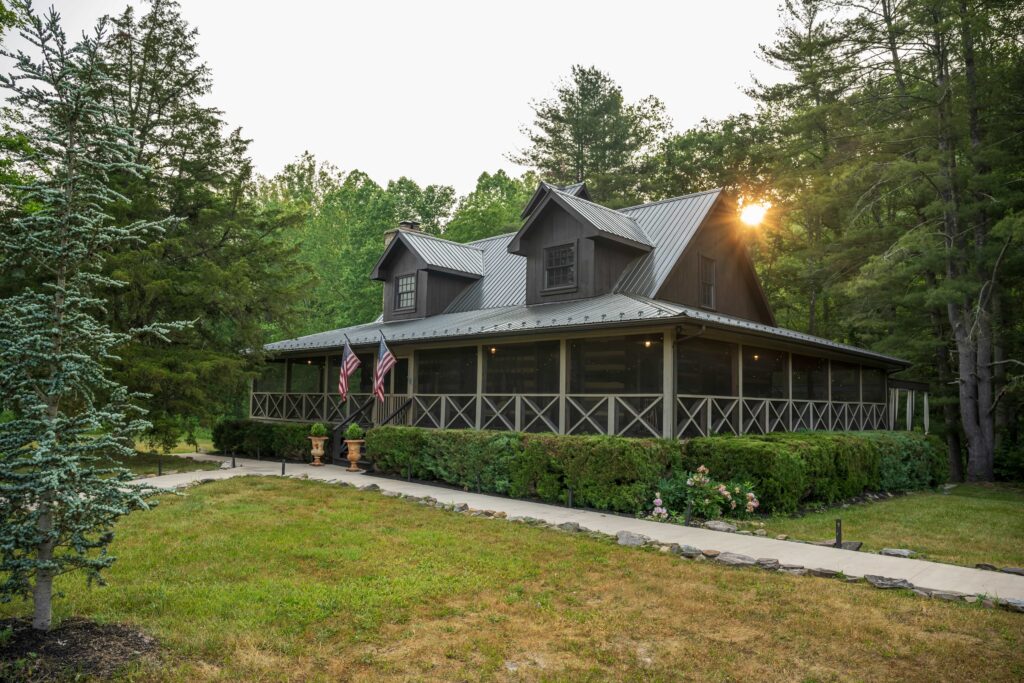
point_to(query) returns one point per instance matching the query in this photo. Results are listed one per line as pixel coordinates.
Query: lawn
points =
(969, 524)
(271, 579)
(143, 463)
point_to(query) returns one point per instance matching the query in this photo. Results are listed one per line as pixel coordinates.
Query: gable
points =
(738, 291)
(595, 221)
(432, 253)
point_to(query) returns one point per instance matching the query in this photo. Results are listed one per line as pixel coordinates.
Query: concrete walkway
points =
(929, 576)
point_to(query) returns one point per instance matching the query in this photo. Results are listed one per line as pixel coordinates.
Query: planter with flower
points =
(697, 495)
(354, 440)
(317, 437)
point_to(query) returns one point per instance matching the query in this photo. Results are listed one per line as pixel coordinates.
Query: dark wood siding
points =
(598, 263)
(434, 290)
(737, 293)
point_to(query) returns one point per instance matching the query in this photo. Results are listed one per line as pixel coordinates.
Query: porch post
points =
(252, 397)
(789, 391)
(668, 383)
(563, 385)
(924, 415)
(325, 380)
(910, 409)
(479, 385)
(739, 384)
(828, 406)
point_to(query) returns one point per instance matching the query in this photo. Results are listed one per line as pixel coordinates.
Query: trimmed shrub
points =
(789, 470)
(250, 438)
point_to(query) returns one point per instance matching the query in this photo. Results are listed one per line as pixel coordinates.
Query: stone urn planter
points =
(355, 452)
(317, 449)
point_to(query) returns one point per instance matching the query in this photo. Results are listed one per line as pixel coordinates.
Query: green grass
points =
(143, 463)
(971, 523)
(266, 579)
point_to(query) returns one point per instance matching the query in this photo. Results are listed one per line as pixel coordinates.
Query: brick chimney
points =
(406, 225)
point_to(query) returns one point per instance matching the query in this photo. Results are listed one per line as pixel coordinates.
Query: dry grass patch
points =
(262, 579)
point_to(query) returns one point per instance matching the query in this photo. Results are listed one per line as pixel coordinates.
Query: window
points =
(707, 282)
(560, 266)
(705, 367)
(764, 373)
(405, 292)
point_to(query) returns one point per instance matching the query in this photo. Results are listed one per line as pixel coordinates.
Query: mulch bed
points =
(77, 648)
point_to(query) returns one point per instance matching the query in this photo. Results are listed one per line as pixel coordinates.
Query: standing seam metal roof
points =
(606, 220)
(442, 253)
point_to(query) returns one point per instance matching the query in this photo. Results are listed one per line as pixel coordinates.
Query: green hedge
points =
(250, 438)
(788, 470)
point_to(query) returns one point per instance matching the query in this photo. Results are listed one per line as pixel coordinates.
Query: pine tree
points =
(59, 496)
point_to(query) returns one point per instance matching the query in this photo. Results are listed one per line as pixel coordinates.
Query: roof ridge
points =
(670, 199)
(486, 239)
(587, 201)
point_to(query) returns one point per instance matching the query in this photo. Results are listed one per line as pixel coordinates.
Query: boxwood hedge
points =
(254, 439)
(788, 470)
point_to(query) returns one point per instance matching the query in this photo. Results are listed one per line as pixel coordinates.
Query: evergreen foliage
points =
(58, 501)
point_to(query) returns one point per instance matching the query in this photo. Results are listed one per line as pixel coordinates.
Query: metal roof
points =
(504, 280)
(444, 254)
(605, 220)
(670, 225)
(607, 311)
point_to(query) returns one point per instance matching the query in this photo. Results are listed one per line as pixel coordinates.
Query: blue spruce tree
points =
(59, 493)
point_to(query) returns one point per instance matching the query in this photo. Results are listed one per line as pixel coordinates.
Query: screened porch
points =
(660, 383)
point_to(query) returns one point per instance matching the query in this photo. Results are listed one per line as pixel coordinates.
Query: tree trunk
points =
(42, 590)
(949, 412)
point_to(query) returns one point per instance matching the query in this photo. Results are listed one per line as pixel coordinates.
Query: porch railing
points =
(639, 415)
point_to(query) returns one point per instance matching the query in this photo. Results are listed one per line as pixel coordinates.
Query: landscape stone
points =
(988, 602)
(922, 593)
(736, 560)
(794, 569)
(885, 582)
(628, 538)
(461, 507)
(391, 494)
(897, 552)
(947, 595)
(710, 554)
(1019, 571)
(369, 487)
(1013, 605)
(744, 532)
(569, 526)
(986, 566)
(831, 543)
(760, 532)
(823, 573)
(718, 525)
(689, 551)
(501, 515)
(768, 563)
(971, 599)
(782, 537)
(225, 466)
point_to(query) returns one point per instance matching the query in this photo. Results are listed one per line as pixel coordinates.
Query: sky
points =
(439, 91)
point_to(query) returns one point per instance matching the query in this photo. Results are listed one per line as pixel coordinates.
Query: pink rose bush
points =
(705, 498)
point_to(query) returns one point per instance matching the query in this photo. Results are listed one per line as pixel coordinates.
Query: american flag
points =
(349, 364)
(385, 361)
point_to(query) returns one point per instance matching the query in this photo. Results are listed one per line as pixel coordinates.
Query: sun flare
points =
(753, 214)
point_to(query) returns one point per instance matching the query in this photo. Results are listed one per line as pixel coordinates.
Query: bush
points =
(789, 470)
(318, 429)
(253, 439)
(608, 473)
(354, 432)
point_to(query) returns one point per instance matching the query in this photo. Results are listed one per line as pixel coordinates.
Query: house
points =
(644, 321)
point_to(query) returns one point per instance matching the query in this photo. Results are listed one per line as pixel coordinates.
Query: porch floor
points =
(931, 576)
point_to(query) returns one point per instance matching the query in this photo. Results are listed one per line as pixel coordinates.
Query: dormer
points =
(574, 248)
(422, 274)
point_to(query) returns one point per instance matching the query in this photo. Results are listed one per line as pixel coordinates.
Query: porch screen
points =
(845, 382)
(874, 385)
(810, 378)
(764, 373)
(361, 381)
(705, 367)
(616, 365)
(446, 371)
(306, 376)
(272, 377)
(521, 368)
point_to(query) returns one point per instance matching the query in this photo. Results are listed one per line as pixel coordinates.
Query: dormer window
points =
(405, 292)
(707, 282)
(560, 266)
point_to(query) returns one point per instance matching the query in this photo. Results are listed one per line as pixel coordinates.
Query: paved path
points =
(931, 576)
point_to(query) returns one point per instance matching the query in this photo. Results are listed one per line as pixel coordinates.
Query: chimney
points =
(407, 225)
